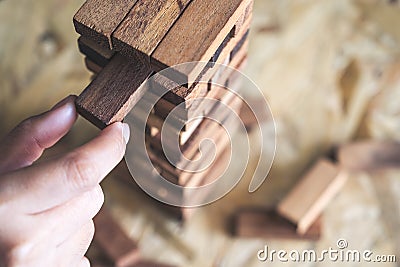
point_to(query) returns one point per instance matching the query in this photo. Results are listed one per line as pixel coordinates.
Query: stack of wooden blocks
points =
(127, 41)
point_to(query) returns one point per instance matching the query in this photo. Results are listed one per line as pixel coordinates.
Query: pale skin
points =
(46, 209)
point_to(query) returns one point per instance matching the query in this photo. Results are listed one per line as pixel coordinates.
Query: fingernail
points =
(63, 102)
(126, 132)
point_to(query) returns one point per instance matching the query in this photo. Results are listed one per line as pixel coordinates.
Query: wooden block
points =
(197, 34)
(267, 223)
(98, 54)
(98, 19)
(118, 247)
(309, 197)
(369, 155)
(240, 45)
(114, 92)
(243, 18)
(207, 128)
(92, 66)
(145, 26)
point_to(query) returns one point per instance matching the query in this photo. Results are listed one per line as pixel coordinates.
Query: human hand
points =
(46, 209)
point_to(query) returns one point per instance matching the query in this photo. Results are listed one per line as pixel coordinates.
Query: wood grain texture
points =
(114, 92)
(369, 155)
(238, 45)
(98, 19)
(312, 194)
(198, 33)
(267, 223)
(118, 247)
(145, 26)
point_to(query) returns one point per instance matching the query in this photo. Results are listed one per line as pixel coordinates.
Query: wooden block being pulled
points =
(110, 237)
(197, 34)
(305, 202)
(267, 223)
(369, 155)
(145, 26)
(114, 92)
(98, 19)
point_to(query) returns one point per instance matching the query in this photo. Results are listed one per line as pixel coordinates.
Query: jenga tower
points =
(126, 41)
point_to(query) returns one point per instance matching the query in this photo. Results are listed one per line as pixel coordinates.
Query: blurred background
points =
(331, 73)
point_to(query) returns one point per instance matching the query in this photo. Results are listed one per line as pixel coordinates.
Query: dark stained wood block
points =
(114, 92)
(97, 53)
(145, 26)
(98, 19)
(213, 20)
(92, 66)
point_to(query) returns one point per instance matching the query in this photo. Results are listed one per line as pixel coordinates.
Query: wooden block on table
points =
(98, 19)
(110, 237)
(267, 223)
(369, 155)
(305, 202)
(197, 34)
(145, 26)
(114, 92)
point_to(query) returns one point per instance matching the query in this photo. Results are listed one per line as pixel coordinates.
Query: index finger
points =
(49, 184)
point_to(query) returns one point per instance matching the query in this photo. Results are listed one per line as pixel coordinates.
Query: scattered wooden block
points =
(98, 19)
(369, 155)
(114, 92)
(267, 223)
(118, 247)
(305, 202)
(213, 21)
(145, 26)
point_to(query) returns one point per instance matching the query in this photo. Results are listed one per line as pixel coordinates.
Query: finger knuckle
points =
(80, 171)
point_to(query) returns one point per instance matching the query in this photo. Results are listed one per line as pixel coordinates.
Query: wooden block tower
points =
(126, 41)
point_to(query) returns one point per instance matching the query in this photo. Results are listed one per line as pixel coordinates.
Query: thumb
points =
(26, 143)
